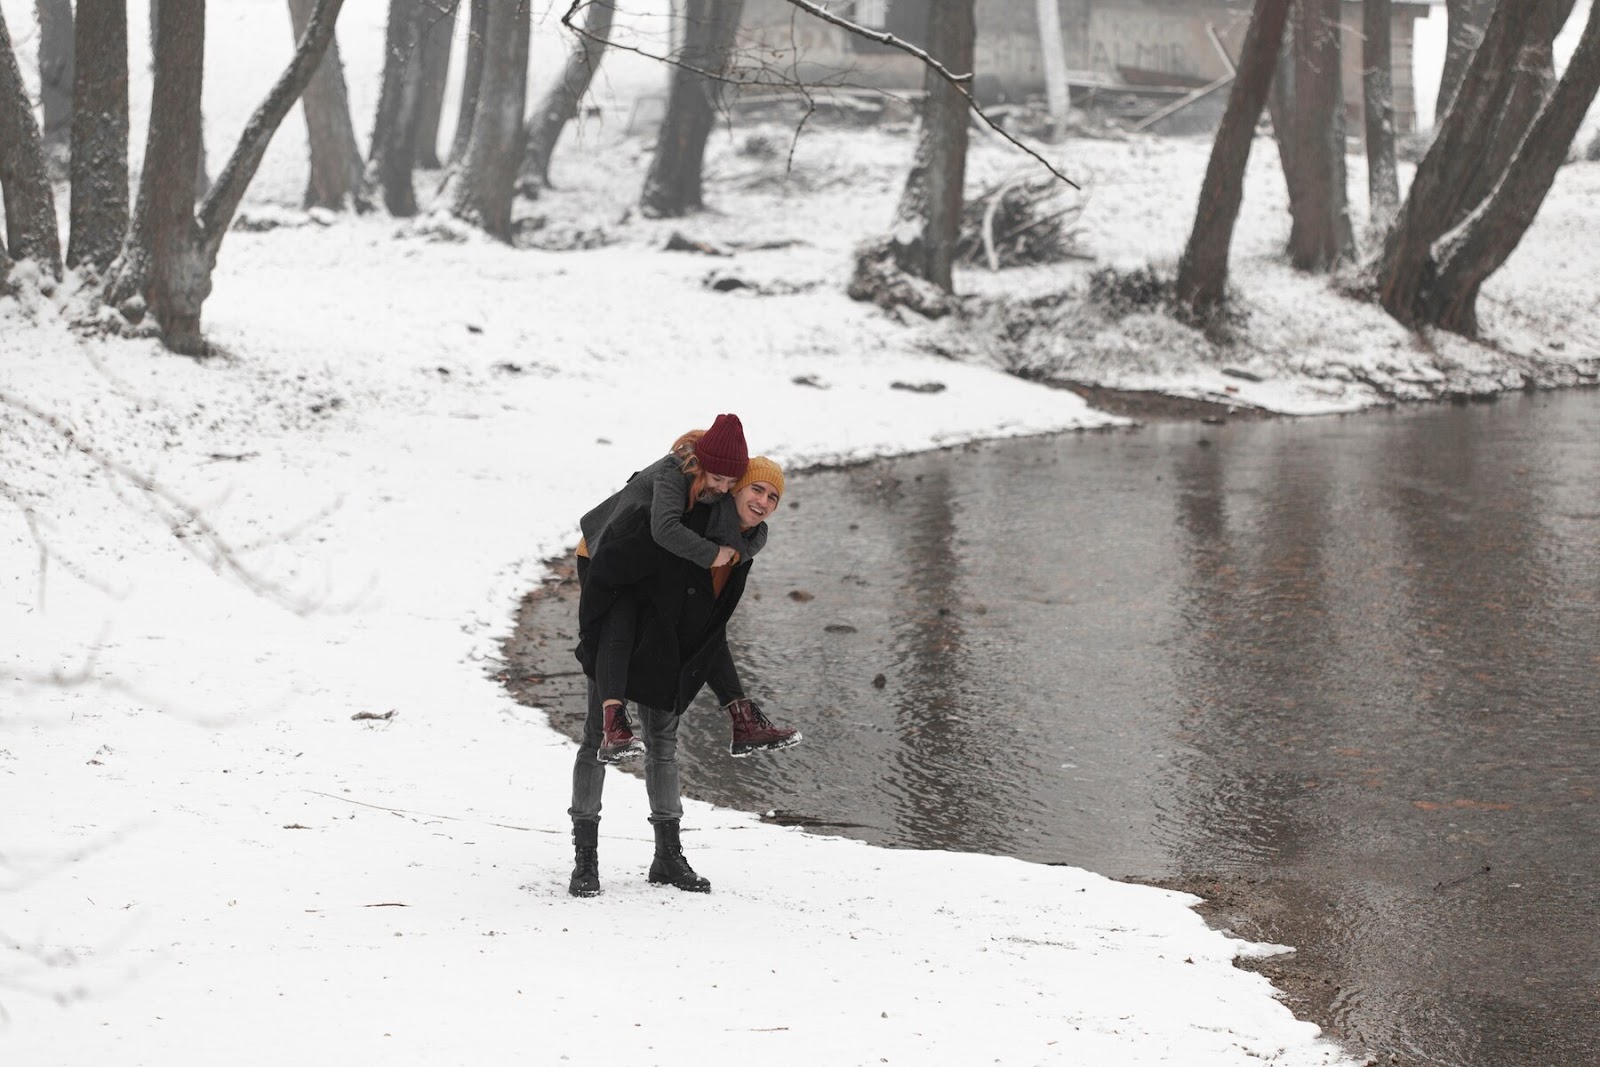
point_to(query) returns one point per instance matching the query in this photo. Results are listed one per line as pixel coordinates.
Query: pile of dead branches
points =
(1021, 222)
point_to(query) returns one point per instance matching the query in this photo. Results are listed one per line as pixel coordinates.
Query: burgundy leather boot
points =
(618, 742)
(754, 732)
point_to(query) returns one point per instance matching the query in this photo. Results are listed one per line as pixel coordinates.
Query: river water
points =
(1341, 670)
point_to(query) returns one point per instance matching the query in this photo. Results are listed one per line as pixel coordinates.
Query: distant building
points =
(1161, 52)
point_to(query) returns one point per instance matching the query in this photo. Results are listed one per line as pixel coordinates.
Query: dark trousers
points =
(615, 646)
(659, 731)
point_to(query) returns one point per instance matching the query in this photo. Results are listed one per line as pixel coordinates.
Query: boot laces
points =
(749, 711)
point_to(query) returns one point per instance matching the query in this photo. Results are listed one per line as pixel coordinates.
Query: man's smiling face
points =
(755, 503)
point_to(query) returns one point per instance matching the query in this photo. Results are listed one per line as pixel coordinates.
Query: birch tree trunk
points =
(471, 78)
(337, 179)
(673, 185)
(1203, 269)
(98, 208)
(1377, 95)
(32, 231)
(560, 103)
(484, 185)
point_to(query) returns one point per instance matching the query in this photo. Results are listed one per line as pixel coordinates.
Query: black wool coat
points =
(682, 623)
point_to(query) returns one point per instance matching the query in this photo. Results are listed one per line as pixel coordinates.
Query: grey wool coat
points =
(664, 489)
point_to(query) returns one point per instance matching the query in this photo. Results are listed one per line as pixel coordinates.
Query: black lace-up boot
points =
(670, 867)
(586, 851)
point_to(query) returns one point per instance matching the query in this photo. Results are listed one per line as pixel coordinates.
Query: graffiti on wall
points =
(1117, 40)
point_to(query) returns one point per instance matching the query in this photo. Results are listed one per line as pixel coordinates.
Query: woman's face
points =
(716, 485)
(755, 502)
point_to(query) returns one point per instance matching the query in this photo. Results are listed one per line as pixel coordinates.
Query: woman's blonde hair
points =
(683, 448)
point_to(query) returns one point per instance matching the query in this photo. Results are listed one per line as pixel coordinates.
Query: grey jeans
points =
(659, 731)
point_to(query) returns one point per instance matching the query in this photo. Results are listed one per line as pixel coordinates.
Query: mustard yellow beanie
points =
(762, 469)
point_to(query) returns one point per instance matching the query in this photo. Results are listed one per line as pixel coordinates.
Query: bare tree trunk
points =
(99, 202)
(31, 228)
(1466, 20)
(471, 78)
(1532, 78)
(673, 185)
(1283, 106)
(337, 179)
(1320, 234)
(161, 268)
(1436, 201)
(439, 28)
(167, 260)
(217, 212)
(933, 194)
(912, 265)
(1467, 257)
(1377, 94)
(202, 175)
(1053, 49)
(1203, 269)
(485, 183)
(56, 66)
(560, 103)
(393, 151)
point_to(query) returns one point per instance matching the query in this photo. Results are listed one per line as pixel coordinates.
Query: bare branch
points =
(429, 814)
(18, 876)
(187, 523)
(811, 101)
(958, 81)
(885, 38)
(216, 214)
(577, 5)
(36, 529)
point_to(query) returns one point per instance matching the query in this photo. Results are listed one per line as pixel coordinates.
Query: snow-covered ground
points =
(263, 801)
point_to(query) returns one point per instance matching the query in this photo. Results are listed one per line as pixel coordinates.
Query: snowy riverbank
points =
(226, 575)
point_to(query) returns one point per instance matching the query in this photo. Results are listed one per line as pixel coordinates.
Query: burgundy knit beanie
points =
(721, 450)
